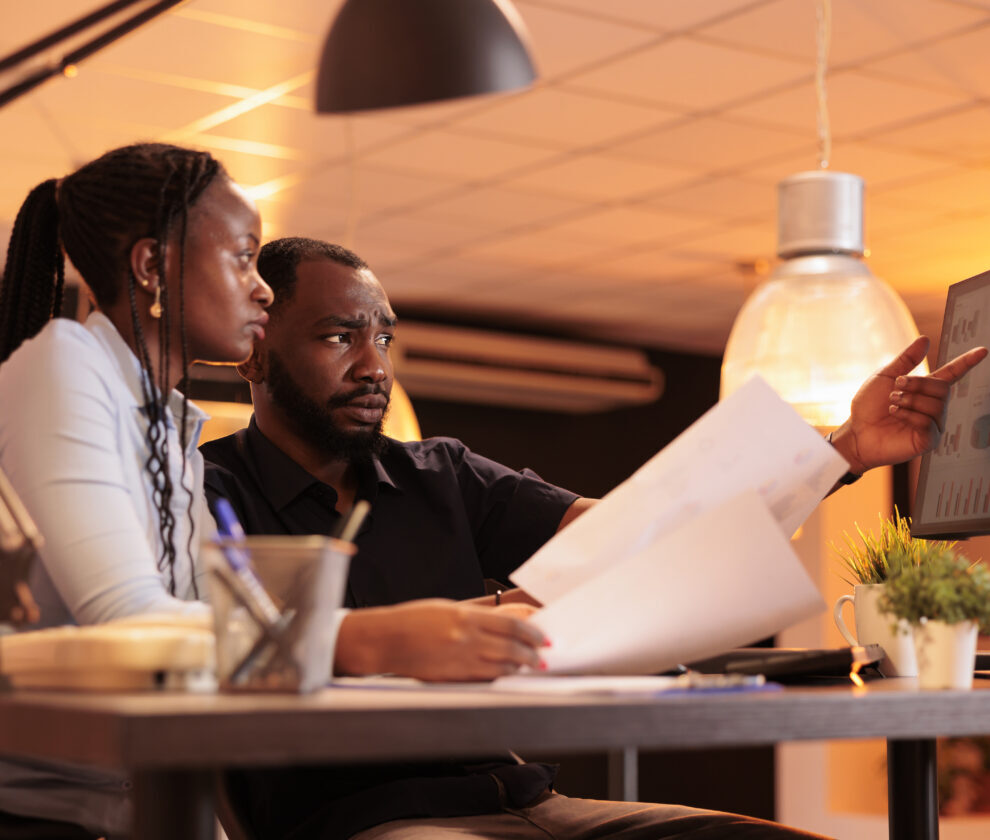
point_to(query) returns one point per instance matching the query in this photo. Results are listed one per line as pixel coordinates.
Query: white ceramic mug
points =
(874, 627)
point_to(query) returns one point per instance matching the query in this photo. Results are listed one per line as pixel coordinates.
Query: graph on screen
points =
(953, 496)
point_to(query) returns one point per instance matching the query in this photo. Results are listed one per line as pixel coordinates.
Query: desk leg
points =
(173, 804)
(912, 790)
(623, 774)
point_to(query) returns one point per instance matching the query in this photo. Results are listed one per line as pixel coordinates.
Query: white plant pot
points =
(946, 653)
(875, 627)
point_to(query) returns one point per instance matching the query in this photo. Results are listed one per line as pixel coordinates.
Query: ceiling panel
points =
(955, 63)
(711, 144)
(858, 104)
(861, 29)
(723, 198)
(692, 75)
(663, 15)
(876, 164)
(960, 135)
(597, 178)
(561, 118)
(446, 154)
(629, 226)
(247, 58)
(499, 207)
(590, 39)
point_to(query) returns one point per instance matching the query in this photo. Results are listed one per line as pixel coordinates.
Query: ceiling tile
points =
(959, 135)
(564, 119)
(729, 197)
(663, 16)
(955, 64)
(176, 44)
(686, 73)
(599, 178)
(627, 226)
(534, 249)
(304, 15)
(96, 95)
(876, 164)
(311, 135)
(857, 104)
(498, 207)
(449, 155)
(370, 190)
(860, 28)
(711, 143)
(563, 42)
(412, 228)
(961, 191)
(742, 242)
(654, 265)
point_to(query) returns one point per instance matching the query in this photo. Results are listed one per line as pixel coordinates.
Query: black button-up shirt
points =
(442, 520)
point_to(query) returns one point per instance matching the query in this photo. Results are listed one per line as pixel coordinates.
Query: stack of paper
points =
(691, 555)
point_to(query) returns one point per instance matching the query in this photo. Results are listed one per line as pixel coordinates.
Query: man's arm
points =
(437, 640)
(894, 416)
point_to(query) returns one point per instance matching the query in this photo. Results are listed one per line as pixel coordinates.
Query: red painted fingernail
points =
(543, 665)
(547, 643)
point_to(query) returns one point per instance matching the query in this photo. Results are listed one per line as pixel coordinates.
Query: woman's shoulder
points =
(63, 348)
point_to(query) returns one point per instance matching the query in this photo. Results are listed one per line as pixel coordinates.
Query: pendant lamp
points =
(388, 53)
(822, 322)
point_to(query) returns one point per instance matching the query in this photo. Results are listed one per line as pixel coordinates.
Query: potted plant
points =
(945, 600)
(868, 563)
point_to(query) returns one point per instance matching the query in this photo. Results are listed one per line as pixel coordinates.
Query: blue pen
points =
(259, 602)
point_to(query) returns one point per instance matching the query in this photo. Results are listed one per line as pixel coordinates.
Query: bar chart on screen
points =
(954, 483)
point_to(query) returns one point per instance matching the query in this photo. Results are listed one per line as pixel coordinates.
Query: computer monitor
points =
(953, 498)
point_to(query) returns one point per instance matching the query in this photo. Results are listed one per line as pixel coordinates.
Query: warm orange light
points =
(70, 71)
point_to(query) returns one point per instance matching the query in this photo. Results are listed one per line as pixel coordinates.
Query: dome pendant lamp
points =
(821, 323)
(389, 53)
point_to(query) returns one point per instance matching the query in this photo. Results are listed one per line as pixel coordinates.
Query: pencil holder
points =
(274, 604)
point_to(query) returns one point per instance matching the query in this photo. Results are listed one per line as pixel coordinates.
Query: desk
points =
(171, 742)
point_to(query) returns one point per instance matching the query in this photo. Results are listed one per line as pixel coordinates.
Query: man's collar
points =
(283, 480)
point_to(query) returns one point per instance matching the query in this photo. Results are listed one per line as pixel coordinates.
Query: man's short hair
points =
(278, 260)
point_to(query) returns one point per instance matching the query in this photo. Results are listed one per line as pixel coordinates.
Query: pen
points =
(254, 594)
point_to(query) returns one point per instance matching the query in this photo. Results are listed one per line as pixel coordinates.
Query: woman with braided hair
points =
(94, 434)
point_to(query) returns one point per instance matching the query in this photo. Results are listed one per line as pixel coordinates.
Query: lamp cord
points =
(823, 29)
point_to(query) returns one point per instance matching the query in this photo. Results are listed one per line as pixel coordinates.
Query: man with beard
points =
(443, 519)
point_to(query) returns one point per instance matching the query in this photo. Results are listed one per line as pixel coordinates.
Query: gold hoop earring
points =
(156, 308)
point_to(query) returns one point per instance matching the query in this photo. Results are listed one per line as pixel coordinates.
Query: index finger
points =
(954, 370)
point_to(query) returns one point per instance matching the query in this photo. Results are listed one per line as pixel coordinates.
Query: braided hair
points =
(97, 214)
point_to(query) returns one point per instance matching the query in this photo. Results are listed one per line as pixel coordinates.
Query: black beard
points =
(314, 423)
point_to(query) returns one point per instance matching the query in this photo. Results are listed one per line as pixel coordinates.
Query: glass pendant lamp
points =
(822, 322)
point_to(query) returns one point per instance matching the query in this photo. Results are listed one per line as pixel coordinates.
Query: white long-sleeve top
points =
(72, 443)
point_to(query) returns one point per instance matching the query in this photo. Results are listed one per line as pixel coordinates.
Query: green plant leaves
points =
(938, 585)
(881, 554)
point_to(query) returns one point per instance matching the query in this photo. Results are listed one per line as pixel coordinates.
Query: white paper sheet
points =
(723, 579)
(751, 440)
